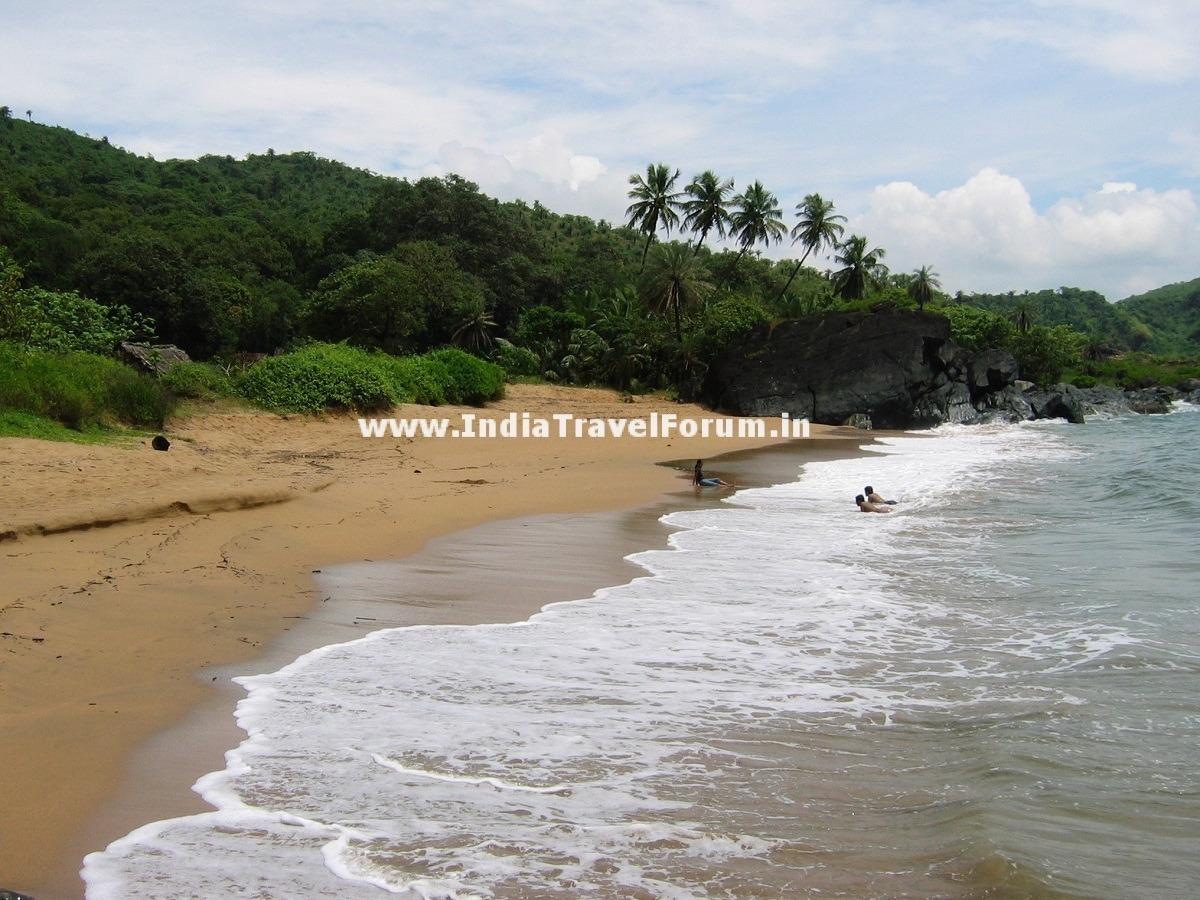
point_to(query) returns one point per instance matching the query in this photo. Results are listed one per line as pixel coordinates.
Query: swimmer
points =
(873, 497)
(865, 506)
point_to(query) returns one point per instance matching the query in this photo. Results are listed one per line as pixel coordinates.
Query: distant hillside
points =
(224, 254)
(1172, 313)
(1081, 310)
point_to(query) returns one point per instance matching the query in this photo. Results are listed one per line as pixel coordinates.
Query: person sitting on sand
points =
(873, 497)
(699, 479)
(866, 506)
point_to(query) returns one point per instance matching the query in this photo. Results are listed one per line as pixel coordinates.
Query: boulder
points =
(1190, 386)
(991, 370)
(1062, 401)
(896, 367)
(830, 367)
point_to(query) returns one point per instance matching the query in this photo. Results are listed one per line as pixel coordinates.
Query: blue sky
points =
(1009, 145)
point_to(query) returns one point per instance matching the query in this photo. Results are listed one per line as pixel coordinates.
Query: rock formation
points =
(897, 367)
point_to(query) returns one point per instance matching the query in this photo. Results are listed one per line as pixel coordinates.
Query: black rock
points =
(160, 443)
(897, 367)
(1062, 401)
(991, 370)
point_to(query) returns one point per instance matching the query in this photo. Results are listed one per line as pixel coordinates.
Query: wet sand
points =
(114, 738)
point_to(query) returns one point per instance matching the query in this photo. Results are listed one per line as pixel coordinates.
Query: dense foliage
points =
(80, 390)
(367, 274)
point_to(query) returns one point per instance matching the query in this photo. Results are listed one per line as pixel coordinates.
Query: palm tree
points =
(674, 282)
(860, 268)
(819, 226)
(475, 331)
(655, 202)
(707, 206)
(1023, 316)
(924, 283)
(756, 218)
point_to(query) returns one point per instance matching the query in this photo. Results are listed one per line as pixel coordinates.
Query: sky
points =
(1008, 144)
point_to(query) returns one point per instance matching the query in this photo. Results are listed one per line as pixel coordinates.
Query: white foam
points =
(580, 751)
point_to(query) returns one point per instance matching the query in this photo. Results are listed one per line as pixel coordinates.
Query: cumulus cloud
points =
(542, 168)
(987, 235)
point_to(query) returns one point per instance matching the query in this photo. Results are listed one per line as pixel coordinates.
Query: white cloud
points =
(986, 235)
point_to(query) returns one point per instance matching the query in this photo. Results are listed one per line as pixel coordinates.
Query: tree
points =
(655, 202)
(756, 218)
(475, 331)
(707, 207)
(674, 282)
(1023, 316)
(861, 268)
(818, 227)
(409, 299)
(924, 283)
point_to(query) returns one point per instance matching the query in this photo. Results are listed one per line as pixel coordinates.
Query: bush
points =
(416, 380)
(80, 390)
(470, 379)
(319, 377)
(517, 362)
(335, 376)
(198, 381)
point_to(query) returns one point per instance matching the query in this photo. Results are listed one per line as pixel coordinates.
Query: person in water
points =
(699, 479)
(865, 505)
(872, 497)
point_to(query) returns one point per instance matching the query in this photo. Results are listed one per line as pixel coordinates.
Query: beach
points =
(138, 582)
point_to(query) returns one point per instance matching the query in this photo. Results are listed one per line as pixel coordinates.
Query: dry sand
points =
(125, 573)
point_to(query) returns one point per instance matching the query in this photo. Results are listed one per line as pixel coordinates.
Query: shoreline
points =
(262, 550)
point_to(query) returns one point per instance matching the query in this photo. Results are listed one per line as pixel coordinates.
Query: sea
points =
(992, 691)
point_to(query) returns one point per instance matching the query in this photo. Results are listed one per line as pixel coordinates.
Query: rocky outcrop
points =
(894, 368)
(898, 368)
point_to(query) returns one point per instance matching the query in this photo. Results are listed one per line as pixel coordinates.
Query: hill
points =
(1085, 311)
(1172, 313)
(223, 253)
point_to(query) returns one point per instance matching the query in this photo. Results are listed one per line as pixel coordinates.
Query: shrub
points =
(416, 380)
(199, 381)
(80, 389)
(517, 362)
(470, 379)
(319, 377)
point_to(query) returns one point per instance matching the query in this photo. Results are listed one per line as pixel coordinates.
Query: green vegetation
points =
(1133, 371)
(1171, 316)
(335, 376)
(368, 280)
(80, 390)
(1045, 354)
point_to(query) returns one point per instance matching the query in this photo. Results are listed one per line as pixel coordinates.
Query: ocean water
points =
(992, 691)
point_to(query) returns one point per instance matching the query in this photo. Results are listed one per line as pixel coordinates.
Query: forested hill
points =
(220, 255)
(1173, 313)
(222, 252)
(1165, 321)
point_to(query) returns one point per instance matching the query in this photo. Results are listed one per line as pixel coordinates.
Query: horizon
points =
(1008, 148)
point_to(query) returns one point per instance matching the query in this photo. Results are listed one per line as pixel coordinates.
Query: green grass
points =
(14, 423)
(81, 391)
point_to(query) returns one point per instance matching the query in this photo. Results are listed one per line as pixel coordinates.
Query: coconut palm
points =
(1023, 316)
(818, 227)
(924, 283)
(706, 208)
(860, 268)
(674, 281)
(756, 218)
(475, 331)
(655, 204)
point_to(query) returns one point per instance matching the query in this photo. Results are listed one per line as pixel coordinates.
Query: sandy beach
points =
(136, 582)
